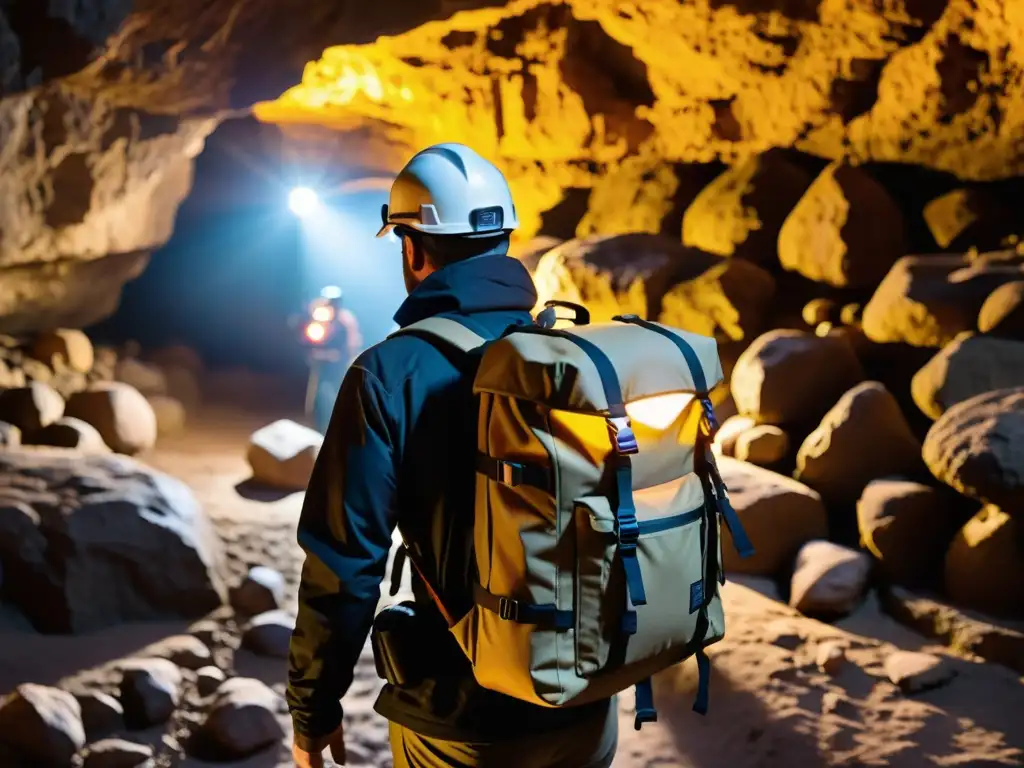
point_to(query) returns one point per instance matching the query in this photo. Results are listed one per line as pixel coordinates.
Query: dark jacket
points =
(400, 450)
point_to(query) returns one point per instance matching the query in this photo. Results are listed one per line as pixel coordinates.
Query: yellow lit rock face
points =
(741, 212)
(571, 94)
(846, 230)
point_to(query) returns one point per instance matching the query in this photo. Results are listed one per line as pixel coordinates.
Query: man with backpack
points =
(400, 450)
(555, 491)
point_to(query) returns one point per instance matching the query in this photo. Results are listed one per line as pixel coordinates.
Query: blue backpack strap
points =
(624, 443)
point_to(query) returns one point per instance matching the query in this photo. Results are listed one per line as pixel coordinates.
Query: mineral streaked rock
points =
(547, 89)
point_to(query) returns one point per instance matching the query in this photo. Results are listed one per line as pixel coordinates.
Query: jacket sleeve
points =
(345, 532)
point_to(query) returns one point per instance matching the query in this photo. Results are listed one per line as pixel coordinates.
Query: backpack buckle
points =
(508, 609)
(710, 420)
(629, 531)
(621, 432)
(511, 473)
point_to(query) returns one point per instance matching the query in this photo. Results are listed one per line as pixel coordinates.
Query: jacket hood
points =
(486, 283)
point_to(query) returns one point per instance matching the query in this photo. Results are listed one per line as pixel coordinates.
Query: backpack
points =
(596, 523)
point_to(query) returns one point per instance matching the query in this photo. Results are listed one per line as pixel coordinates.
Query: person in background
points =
(332, 336)
(400, 450)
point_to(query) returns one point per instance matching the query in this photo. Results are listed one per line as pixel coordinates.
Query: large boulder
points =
(764, 445)
(118, 753)
(779, 515)
(908, 527)
(42, 726)
(31, 407)
(977, 447)
(120, 413)
(741, 212)
(729, 301)
(618, 274)
(791, 377)
(846, 230)
(657, 278)
(68, 346)
(91, 541)
(282, 454)
(1002, 314)
(242, 719)
(170, 414)
(150, 691)
(147, 378)
(976, 217)
(863, 437)
(927, 301)
(970, 365)
(985, 564)
(69, 432)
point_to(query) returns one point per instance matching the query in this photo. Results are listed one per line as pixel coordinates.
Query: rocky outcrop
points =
(564, 95)
(103, 109)
(927, 301)
(91, 541)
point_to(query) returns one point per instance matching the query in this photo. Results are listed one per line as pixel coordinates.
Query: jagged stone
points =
(87, 542)
(845, 231)
(973, 218)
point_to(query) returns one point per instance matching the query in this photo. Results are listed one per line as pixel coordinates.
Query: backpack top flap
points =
(552, 366)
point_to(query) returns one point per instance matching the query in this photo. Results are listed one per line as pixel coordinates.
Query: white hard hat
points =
(448, 189)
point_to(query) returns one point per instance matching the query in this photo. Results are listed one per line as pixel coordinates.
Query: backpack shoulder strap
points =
(446, 328)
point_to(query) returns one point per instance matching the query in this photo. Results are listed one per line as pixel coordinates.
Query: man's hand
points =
(314, 756)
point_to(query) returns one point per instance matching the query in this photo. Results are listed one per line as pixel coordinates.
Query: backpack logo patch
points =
(696, 595)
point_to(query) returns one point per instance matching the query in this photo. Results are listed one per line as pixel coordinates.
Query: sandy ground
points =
(770, 704)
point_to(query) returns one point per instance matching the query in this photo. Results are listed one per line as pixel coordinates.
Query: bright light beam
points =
(303, 202)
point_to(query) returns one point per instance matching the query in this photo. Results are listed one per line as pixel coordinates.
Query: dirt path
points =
(770, 704)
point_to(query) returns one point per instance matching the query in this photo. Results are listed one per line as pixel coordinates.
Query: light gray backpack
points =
(598, 508)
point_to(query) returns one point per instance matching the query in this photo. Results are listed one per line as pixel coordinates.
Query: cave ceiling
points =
(591, 107)
(577, 94)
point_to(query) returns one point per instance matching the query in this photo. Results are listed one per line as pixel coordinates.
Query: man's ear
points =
(415, 254)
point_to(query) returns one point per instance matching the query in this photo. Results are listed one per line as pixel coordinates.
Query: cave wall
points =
(621, 98)
(104, 105)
